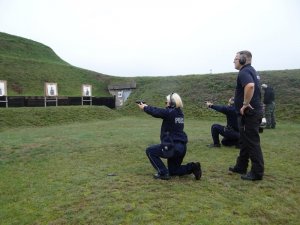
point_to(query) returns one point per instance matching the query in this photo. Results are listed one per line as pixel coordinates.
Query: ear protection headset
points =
(242, 60)
(231, 101)
(172, 101)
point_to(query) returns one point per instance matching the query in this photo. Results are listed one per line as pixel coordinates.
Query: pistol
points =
(140, 102)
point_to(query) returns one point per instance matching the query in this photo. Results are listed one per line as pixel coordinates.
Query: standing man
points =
(269, 102)
(248, 107)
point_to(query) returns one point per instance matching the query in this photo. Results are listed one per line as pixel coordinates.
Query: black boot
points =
(196, 170)
(251, 176)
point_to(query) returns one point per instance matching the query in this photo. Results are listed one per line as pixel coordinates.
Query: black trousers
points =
(175, 167)
(250, 144)
(230, 136)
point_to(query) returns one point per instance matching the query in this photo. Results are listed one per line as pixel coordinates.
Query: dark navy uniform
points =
(249, 124)
(173, 125)
(230, 132)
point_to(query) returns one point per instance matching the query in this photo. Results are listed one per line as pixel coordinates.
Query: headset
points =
(242, 60)
(231, 101)
(172, 101)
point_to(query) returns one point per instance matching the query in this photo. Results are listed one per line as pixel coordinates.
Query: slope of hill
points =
(21, 48)
(27, 65)
(196, 89)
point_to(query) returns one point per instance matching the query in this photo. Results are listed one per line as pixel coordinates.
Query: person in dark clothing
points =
(248, 106)
(230, 132)
(269, 105)
(172, 129)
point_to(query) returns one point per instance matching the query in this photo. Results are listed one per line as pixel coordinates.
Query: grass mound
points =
(38, 116)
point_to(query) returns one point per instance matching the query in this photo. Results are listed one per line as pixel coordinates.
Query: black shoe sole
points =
(250, 178)
(232, 171)
(161, 177)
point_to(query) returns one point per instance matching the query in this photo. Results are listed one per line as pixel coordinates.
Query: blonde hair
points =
(176, 100)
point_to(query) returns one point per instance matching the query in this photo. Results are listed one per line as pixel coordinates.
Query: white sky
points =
(160, 37)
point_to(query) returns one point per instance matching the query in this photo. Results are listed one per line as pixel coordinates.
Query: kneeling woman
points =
(173, 141)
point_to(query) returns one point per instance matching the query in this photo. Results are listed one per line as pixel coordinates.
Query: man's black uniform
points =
(230, 132)
(249, 124)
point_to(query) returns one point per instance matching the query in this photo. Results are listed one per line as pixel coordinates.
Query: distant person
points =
(230, 132)
(247, 103)
(269, 104)
(173, 141)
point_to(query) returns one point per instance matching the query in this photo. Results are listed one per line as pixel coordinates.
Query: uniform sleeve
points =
(156, 112)
(220, 108)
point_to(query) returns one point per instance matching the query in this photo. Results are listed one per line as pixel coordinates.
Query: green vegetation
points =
(55, 161)
(195, 89)
(27, 65)
(60, 175)
(21, 48)
(40, 116)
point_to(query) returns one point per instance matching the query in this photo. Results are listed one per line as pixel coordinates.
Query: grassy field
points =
(57, 163)
(60, 174)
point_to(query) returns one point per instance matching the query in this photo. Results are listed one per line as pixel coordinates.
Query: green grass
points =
(41, 116)
(195, 89)
(55, 161)
(59, 175)
(18, 47)
(26, 65)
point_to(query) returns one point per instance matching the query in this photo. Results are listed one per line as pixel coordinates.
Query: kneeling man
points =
(230, 132)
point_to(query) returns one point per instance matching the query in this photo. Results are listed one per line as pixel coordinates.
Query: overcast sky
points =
(160, 37)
